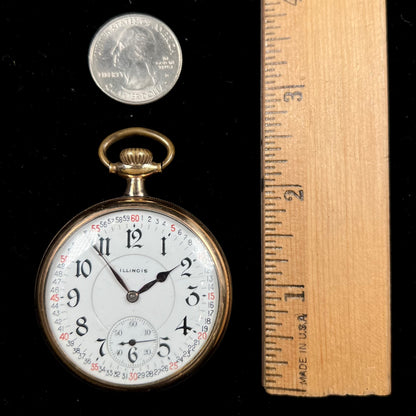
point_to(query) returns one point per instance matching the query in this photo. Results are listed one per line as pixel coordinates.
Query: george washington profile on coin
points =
(133, 54)
(135, 59)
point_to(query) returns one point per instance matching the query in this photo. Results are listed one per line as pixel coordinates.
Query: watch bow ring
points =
(136, 163)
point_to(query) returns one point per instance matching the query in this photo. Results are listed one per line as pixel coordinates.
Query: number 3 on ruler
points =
(290, 96)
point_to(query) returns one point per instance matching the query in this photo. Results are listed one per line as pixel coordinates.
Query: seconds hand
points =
(115, 273)
(133, 342)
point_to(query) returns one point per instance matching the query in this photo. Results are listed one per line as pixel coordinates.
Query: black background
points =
(53, 119)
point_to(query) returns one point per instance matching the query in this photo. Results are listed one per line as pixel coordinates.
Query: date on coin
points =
(135, 58)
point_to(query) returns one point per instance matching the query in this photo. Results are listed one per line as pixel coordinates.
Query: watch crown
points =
(136, 156)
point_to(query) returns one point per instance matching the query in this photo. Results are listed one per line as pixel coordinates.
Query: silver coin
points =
(135, 58)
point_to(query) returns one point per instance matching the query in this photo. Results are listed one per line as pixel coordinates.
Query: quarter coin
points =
(135, 58)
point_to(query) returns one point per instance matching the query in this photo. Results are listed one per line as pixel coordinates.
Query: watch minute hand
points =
(115, 273)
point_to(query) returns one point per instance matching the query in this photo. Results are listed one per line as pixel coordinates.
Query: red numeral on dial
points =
(173, 366)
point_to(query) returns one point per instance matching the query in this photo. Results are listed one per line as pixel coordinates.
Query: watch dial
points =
(131, 297)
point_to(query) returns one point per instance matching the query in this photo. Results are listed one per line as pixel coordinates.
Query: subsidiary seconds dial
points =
(132, 297)
(132, 342)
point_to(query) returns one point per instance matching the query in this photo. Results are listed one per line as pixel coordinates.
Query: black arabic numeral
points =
(163, 246)
(193, 298)
(82, 327)
(133, 236)
(164, 348)
(73, 296)
(290, 194)
(184, 326)
(290, 96)
(83, 268)
(187, 263)
(104, 246)
(132, 355)
(101, 350)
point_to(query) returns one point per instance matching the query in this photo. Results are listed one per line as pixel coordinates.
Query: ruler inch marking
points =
(275, 290)
(318, 233)
(287, 389)
(284, 87)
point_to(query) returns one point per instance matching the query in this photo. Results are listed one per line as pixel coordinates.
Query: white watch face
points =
(131, 297)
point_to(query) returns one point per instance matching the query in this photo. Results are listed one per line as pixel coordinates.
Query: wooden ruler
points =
(325, 201)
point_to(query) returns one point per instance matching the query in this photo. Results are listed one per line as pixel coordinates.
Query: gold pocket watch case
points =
(134, 292)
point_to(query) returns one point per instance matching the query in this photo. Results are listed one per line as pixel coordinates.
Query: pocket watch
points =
(134, 292)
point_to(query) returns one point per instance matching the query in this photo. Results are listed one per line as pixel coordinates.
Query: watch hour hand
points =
(115, 273)
(147, 286)
(160, 277)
